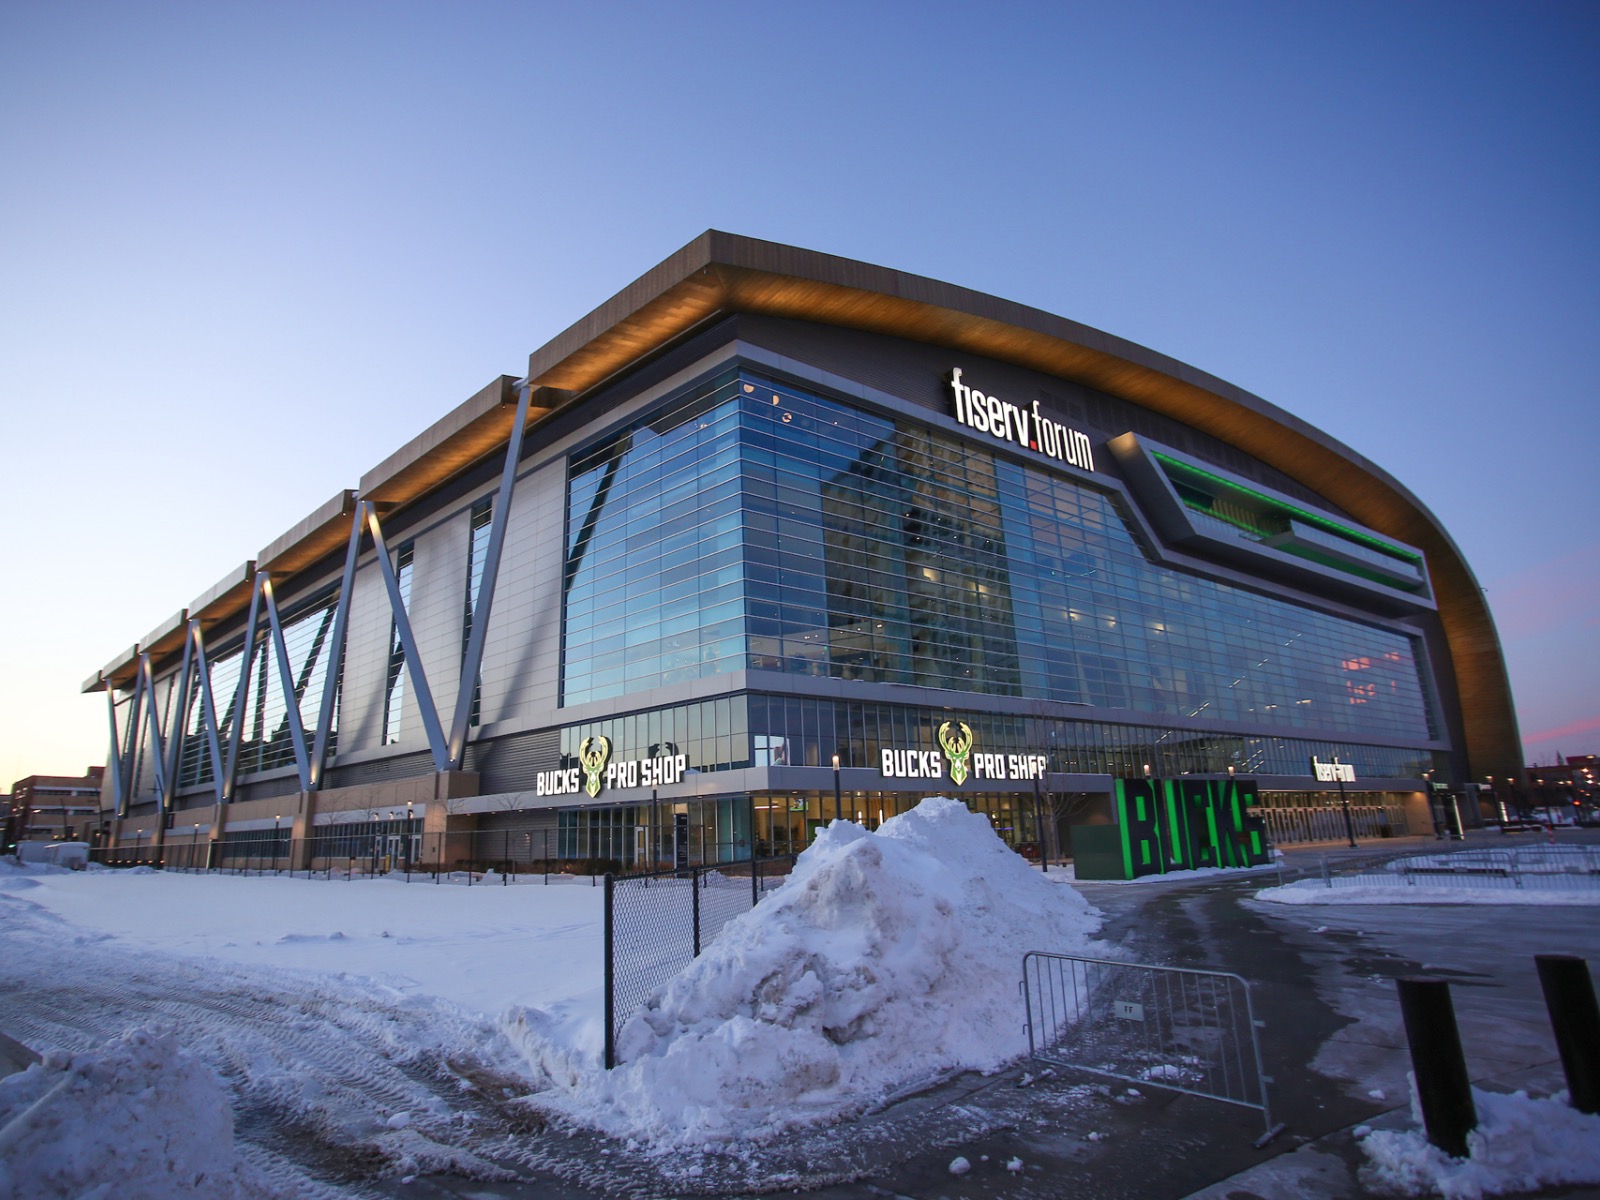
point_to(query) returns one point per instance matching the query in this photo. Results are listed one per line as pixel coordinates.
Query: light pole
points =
(1154, 785)
(1038, 824)
(194, 845)
(1435, 809)
(838, 807)
(411, 833)
(1344, 803)
(277, 833)
(375, 836)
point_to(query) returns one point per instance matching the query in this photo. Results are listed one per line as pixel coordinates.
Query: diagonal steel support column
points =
(130, 750)
(291, 702)
(241, 694)
(208, 707)
(157, 748)
(472, 663)
(402, 624)
(119, 792)
(341, 620)
(175, 726)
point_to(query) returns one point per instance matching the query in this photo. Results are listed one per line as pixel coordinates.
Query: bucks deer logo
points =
(594, 762)
(957, 748)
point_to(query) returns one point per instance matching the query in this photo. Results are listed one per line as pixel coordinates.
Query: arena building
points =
(773, 535)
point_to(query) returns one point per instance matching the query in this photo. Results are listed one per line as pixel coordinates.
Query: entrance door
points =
(401, 849)
(680, 840)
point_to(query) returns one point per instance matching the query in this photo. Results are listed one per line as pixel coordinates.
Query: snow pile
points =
(13, 869)
(1520, 1145)
(886, 961)
(139, 1120)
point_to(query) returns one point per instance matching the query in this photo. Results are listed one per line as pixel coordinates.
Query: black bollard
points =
(1575, 1020)
(1438, 1063)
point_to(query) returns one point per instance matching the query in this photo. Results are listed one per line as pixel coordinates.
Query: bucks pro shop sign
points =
(599, 770)
(957, 757)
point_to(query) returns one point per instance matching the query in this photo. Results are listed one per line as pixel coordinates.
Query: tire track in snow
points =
(315, 1064)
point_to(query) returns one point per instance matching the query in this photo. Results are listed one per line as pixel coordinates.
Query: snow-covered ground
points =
(482, 948)
(1521, 1145)
(379, 1028)
(337, 1007)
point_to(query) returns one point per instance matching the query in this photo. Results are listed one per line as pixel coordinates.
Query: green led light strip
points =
(1323, 523)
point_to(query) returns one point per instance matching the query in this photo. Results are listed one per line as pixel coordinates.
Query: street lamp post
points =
(1038, 823)
(375, 836)
(838, 806)
(1344, 803)
(194, 845)
(277, 833)
(411, 834)
(1155, 813)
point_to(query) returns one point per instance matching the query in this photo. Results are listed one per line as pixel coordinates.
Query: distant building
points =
(1567, 788)
(53, 808)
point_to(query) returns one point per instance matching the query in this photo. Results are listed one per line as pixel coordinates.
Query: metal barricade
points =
(1184, 1030)
(1526, 868)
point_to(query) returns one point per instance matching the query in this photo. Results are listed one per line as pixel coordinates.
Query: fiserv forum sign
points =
(1025, 426)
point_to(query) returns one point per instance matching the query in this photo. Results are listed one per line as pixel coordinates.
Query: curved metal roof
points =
(725, 273)
(721, 273)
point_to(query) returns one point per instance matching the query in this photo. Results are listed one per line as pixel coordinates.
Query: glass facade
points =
(654, 573)
(482, 518)
(762, 730)
(798, 731)
(713, 735)
(394, 691)
(751, 522)
(643, 836)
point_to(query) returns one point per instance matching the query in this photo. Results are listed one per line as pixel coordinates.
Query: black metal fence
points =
(502, 856)
(656, 924)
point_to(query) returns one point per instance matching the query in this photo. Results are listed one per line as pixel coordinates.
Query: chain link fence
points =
(656, 924)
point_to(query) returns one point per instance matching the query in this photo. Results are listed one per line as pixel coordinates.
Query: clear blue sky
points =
(246, 250)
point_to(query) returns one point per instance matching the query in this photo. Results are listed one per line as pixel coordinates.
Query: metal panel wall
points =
(522, 659)
(366, 664)
(437, 609)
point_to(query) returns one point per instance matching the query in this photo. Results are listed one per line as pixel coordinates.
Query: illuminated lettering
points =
(1027, 427)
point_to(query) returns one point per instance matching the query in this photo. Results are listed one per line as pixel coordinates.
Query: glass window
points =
(482, 519)
(855, 547)
(394, 695)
